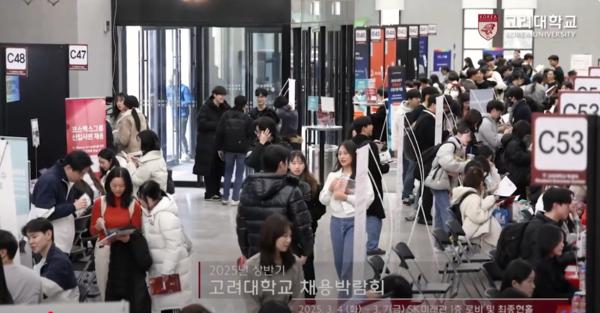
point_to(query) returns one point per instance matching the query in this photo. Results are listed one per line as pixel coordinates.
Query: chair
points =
(459, 236)
(421, 284)
(492, 273)
(455, 268)
(82, 256)
(377, 264)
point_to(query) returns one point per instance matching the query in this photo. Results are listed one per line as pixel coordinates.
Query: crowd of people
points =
(141, 245)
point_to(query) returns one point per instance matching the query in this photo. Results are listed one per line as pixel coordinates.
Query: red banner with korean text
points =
(86, 129)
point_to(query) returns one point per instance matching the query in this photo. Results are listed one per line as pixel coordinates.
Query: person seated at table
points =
(550, 278)
(518, 280)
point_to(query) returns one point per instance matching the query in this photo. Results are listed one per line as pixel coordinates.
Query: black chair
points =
(377, 264)
(493, 274)
(455, 268)
(421, 284)
(458, 236)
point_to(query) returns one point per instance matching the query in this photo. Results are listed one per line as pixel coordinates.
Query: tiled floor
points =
(211, 227)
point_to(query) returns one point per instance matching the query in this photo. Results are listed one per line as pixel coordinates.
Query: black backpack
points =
(509, 244)
(500, 159)
(428, 156)
(455, 207)
(235, 135)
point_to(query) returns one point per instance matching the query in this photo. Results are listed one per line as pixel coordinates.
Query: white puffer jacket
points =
(152, 167)
(167, 243)
(476, 212)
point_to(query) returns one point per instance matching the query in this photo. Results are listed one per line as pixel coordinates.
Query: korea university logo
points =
(488, 25)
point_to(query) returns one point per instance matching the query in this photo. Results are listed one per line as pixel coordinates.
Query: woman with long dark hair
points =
(128, 125)
(275, 262)
(117, 209)
(550, 279)
(339, 196)
(168, 244)
(151, 165)
(311, 190)
(107, 160)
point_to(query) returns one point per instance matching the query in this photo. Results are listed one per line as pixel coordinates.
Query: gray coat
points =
(448, 160)
(488, 133)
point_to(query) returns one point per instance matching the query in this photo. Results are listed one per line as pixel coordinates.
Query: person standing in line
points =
(289, 122)
(168, 244)
(273, 191)
(339, 195)
(207, 162)
(448, 164)
(262, 109)
(412, 102)
(151, 165)
(182, 109)
(24, 284)
(558, 71)
(58, 277)
(54, 199)
(310, 189)
(118, 209)
(234, 134)
(363, 127)
(490, 134)
(128, 125)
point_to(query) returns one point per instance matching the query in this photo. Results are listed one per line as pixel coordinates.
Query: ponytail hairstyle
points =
(538, 78)
(132, 102)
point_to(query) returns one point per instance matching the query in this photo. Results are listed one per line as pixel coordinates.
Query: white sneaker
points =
(234, 203)
(225, 202)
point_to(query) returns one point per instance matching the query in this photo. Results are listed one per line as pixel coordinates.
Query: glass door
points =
(263, 48)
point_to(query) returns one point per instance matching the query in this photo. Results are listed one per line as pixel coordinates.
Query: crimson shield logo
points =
(488, 25)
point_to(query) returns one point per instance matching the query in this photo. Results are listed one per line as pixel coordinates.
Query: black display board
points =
(402, 46)
(224, 13)
(412, 66)
(42, 95)
(592, 279)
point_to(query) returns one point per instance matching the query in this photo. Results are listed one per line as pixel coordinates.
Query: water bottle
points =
(581, 274)
(581, 245)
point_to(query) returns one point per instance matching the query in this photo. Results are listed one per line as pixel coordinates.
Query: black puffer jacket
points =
(234, 132)
(254, 159)
(517, 159)
(208, 118)
(376, 169)
(127, 273)
(264, 194)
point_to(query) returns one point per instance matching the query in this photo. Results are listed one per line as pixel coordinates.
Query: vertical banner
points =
(376, 65)
(390, 50)
(441, 58)
(412, 66)
(361, 71)
(361, 54)
(439, 119)
(86, 118)
(423, 49)
(396, 94)
(360, 217)
(8, 209)
(402, 45)
(292, 92)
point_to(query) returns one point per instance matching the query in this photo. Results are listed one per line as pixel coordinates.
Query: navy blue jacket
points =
(51, 191)
(58, 268)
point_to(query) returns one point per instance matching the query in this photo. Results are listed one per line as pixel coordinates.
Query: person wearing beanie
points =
(289, 122)
(208, 164)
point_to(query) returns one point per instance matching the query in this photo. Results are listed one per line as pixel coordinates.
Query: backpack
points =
(428, 156)
(509, 244)
(236, 136)
(455, 208)
(500, 159)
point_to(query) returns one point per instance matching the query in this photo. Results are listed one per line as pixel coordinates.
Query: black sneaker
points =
(214, 198)
(406, 201)
(377, 251)
(423, 222)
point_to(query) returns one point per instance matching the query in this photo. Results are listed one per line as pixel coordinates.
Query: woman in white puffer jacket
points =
(168, 244)
(476, 211)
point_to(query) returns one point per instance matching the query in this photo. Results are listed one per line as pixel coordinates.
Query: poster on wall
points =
(441, 58)
(495, 52)
(13, 92)
(361, 55)
(377, 51)
(86, 125)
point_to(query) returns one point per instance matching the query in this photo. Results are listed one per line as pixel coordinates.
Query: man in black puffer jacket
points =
(270, 192)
